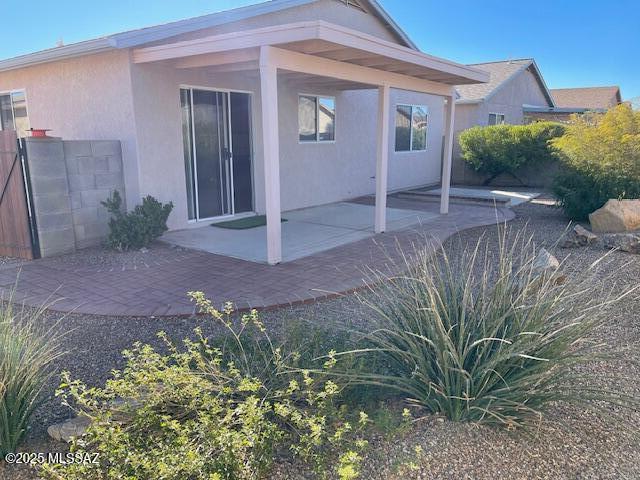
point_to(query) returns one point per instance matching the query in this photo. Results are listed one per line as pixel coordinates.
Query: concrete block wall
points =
(69, 179)
(94, 170)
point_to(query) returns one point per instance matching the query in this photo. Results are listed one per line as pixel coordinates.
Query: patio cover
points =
(328, 55)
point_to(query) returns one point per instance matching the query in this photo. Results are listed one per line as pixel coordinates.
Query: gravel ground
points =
(570, 443)
(104, 259)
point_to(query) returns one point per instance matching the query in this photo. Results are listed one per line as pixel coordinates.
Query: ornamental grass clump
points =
(201, 411)
(488, 337)
(27, 352)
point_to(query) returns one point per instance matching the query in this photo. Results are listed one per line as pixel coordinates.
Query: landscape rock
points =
(584, 236)
(569, 240)
(65, 431)
(616, 216)
(578, 237)
(627, 242)
(546, 265)
(544, 262)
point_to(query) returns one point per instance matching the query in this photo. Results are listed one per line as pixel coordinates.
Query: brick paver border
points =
(160, 289)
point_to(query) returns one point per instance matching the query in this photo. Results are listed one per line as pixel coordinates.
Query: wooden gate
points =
(17, 228)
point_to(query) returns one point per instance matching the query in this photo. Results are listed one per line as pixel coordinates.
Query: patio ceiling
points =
(240, 51)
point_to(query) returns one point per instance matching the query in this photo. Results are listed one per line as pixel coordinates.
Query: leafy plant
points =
(600, 155)
(488, 338)
(500, 149)
(138, 228)
(27, 353)
(212, 412)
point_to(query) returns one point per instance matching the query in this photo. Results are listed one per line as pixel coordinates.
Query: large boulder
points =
(617, 216)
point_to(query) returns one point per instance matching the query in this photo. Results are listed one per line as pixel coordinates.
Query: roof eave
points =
(97, 45)
(468, 101)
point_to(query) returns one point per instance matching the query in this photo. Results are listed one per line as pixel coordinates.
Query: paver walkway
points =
(160, 289)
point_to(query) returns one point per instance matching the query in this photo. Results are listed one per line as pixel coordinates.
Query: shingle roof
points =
(593, 98)
(500, 72)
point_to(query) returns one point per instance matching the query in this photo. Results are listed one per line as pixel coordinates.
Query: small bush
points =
(600, 155)
(27, 351)
(500, 149)
(138, 228)
(487, 338)
(212, 412)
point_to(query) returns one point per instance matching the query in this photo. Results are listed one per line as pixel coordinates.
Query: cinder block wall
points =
(69, 179)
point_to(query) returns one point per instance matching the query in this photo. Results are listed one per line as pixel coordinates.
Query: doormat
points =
(244, 223)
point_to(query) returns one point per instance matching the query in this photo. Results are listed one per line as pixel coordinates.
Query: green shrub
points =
(500, 149)
(212, 412)
(27, 351)
(600, 155)
(487, 337)
(138, 228)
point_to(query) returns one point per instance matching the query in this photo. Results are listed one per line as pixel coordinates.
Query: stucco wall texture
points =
(106, 96)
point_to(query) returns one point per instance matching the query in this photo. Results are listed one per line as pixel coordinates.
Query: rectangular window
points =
(411, 128)
(13, 112)
(496, 118)
(316, 118)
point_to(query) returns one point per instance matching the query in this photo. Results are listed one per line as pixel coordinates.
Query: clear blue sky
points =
(575, 42)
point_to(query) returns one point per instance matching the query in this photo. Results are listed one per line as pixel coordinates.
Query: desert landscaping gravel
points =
(570, 443)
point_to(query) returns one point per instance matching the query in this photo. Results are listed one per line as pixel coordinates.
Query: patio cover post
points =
(271, 148)
(448, 149)
(382, 162)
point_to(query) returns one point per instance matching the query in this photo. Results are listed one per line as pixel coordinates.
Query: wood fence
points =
(15, 225)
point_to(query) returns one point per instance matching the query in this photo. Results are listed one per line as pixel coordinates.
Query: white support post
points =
(271, 147)
(448, 149)
(382, 161)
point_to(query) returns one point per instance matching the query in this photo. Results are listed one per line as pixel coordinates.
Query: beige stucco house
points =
(514, 88)
(277, 106)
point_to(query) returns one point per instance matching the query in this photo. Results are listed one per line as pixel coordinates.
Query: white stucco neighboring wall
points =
(524, 89)
(85, 98)
(508, 100)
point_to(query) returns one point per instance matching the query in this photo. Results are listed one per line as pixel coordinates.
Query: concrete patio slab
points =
(306, 232)
(159, 288)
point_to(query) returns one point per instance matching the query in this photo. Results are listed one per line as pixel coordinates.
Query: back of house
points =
(191, 125)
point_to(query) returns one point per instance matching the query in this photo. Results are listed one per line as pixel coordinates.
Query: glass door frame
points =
(229, 173)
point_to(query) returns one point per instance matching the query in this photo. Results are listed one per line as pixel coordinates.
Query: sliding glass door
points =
(217, 152)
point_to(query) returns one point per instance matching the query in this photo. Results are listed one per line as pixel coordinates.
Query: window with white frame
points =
(411, 128)
(316, 118)
(496, 118)
(13, 112)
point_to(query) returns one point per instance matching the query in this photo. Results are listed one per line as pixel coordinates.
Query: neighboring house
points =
(569, 101)
(514, 86)
(271, 107)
